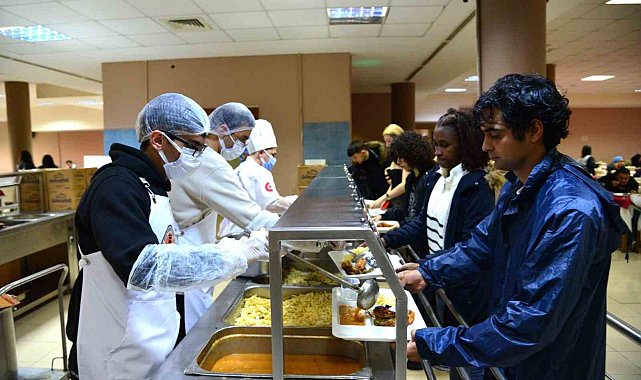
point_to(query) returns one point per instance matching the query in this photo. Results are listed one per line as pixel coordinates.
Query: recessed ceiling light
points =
(597, 78)
(44, 104)
(33, 33)
(616, 2)
(472, 78)
(90, 102)
(356, 15)
(456, 90)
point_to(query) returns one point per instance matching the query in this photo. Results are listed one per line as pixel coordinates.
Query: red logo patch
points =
(268, 187)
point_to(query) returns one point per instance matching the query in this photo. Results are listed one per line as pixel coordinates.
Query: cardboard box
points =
(306, 173)
(65, 188)
(31, 199)
(89, 172)
(62, 200)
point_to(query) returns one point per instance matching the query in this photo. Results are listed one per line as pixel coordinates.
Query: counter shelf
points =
(330, 209)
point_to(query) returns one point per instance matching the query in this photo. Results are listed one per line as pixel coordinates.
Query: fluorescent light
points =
(356, 15)
(33, 33)
(44, 104)
(597, 78)
(617, 2)
(90, 102)
(639, 90)
(472, 78)
(456, 90)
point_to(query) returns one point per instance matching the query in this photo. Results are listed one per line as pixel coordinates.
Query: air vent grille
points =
(191, 24)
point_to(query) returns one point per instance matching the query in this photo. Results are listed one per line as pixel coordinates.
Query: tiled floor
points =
(39, 341)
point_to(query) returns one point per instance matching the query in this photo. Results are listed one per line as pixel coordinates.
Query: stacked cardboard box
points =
(306, 174)
(30, 196)
(64, 187)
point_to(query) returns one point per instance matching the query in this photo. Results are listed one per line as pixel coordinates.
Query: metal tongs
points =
(367, 292)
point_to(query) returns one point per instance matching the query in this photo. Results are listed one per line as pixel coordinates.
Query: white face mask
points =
(184, 166)
(231, 153)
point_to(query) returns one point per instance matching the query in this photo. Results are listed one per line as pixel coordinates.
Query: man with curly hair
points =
(547, 246)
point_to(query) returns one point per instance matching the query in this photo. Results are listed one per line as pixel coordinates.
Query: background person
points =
(547, 246)
(394, 174)
(122, 315)
(26, 161)
(255, 174)
(368, 159)
(70, 165)
(620, 181)
(47, 162)
(587, 161)
(214, 189)
(617, 162)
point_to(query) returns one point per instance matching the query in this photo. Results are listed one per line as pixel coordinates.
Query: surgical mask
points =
(270, 163)
(184, 166)
(231, 153)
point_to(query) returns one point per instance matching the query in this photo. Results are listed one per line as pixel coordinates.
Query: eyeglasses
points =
(197, 148)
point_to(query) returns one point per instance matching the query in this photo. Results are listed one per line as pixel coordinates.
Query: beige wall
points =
(65, 118)
(371, 113)
(67, 146)
(609, 131)
(276, 84)
(5, 149)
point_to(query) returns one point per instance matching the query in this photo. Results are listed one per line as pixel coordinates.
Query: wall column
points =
(550, 71)
(18, 119)
(511, 38)
(403, 105)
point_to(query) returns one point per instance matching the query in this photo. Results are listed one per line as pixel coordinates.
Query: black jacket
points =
(113, 217)
(473, 200)
(415, 197)
(369, 176)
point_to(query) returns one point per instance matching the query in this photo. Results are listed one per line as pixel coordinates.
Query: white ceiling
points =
(584, 37)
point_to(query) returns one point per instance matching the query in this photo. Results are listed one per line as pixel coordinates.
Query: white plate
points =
(369, 332)
(382, 230)
(376, 211)
(337, 258)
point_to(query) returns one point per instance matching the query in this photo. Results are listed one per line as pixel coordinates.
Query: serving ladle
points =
(367, 292)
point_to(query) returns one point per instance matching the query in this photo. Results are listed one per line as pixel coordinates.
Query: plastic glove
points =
(256, 246)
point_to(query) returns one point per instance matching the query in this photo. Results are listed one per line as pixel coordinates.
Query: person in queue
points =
(620, 181)
(47, 162)
(547, 246)
(214, 189)
(413, 153)
(368, 159)
(458, 199)
(617, 162)
(394, 174)
(123, 318)
(255, 174)
(587, 161)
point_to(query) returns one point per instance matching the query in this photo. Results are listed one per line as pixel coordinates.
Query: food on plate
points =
(295, 277)
(358, 261)
(349, 315)
(384, 316)
(385, 224)
(312, 309)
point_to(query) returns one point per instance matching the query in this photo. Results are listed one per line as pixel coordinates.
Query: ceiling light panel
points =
(172, 8)
(597, 78)
(301, 17)
(223, 6)
(294, 4)
(304, 32)
(413, 15)
(455, 90)
(620, 2)
(46, 13)
(33, 33)
(103, 10)
(356, 15)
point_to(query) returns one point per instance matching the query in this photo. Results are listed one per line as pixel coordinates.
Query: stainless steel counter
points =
(213, 320)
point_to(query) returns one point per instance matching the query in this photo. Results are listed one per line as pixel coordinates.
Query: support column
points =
(550, 71)
(403, 105)
(511, 38)
(18, 118)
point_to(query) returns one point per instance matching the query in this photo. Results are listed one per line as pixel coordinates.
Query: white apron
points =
(197, 301)
(125, 334)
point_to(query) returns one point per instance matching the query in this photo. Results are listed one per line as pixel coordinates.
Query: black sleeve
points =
(120, 222)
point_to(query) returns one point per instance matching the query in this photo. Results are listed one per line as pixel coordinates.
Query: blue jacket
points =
(548, 248)
(473, 200)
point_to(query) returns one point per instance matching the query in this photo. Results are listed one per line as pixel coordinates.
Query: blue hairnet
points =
(173, 113)
(617, 159)
(231, 117)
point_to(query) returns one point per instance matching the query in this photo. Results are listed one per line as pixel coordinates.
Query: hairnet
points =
(262, 137)
(231, 117)
(393, 130)
(617, 159)
(173, 113)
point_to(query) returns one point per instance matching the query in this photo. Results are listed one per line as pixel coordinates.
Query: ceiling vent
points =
(191, 24)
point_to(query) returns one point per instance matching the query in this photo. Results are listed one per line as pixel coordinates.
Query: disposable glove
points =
(256, 246)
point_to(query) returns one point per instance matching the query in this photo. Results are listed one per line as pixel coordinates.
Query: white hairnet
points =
(262, 137)
(231, 117)
(171, 267)
(174, 113)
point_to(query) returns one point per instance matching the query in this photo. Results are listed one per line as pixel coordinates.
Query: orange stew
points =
(295, 364)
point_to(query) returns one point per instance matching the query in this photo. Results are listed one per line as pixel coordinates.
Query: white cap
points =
(261, 137)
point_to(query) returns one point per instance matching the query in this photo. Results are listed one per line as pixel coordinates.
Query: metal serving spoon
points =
(367, 292)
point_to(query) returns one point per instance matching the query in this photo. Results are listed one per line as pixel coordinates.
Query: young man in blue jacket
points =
(547, 245)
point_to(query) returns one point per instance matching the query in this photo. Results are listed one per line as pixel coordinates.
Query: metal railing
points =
(61, 308)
